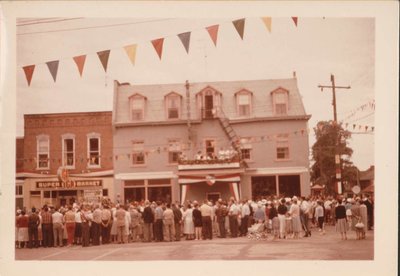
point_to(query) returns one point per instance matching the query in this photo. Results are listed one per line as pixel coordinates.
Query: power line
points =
(95, 27)
(49, 21)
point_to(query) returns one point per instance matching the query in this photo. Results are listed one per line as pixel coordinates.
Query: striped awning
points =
(209, 178)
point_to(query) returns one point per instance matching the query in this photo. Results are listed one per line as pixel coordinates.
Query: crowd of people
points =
(145, 221)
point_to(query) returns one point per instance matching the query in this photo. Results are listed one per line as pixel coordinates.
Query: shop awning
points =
(145, 175)
(276, 170)
(34, 175)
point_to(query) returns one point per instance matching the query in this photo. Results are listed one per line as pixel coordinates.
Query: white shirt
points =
(245, 210)
(57, 217)
(78, 218)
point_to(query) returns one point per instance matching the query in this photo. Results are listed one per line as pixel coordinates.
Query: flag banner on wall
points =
(213, 32)
(294, 20)
(131, 52)
(239, 26)
(53, 68)
(267, 21)
(29, 73)
(80, 62)
(103, 56)
(185, 38)
(158, 46)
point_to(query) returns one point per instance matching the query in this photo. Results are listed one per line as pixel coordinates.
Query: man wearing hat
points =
(33, 224)
(282, 210)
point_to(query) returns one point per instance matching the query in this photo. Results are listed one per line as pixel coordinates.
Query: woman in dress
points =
(340, 215)
(355, 214)
(364, 218)
(294, 212)
(23, 234)
(197, 221)
(113, 232)
(188, 224)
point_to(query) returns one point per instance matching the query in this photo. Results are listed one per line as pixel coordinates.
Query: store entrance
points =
(67, 197)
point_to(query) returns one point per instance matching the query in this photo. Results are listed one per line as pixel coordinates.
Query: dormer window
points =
(243, 103)
(137, 107)
(173, 105)
(280, 100)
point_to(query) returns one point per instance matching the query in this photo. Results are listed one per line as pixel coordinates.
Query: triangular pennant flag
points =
(53, 68)
(294, 20)
(131, 52)
(372, 128)
(158, 46)
(29, 73)
(80, 62)
(267, 22)
(103, 56)
(213, 32)
(185, 38)
(239, 25)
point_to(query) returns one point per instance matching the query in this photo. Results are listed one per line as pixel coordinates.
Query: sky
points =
(315, 48)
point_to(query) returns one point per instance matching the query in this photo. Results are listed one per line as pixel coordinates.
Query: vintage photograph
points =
(198, 137)
(246, 138)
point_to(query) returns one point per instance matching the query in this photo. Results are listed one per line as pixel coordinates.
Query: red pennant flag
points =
(53, 68)
(366, 128)
(103, 56)
(80, 62)
(213, 32)
(158, 46)
(29, 73)
(185, 38)
(239, 25)
(295, 20)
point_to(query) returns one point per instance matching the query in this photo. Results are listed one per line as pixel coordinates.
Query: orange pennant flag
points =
(80, 62)
(158, 46)
(103, 56)
(131, 52)
(29, 73)
(267, 21)
(295, 20)
(53, 68)
(213, 32)
(239, 25)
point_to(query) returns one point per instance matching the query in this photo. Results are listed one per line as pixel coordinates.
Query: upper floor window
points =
(43, 152)
(243, 103)
(138, 154)
(93, 150)
(282, 147)
(173, 105)
(210, 148)
(174, 151)
(137, 107)
(280, 98)
(68, 150)
(246, 148)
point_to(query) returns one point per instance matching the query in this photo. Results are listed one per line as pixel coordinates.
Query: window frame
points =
(282, 139)
(249, 94)
(63, 138)
(142, 111)
(136, 152)
(40, 138)
(90, 136)
(179, 151)
(214, 140)
(280, 92)
(245, 144)
(168, 98)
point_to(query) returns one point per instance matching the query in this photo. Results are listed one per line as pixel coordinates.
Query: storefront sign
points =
(68, 184)
(92, 195)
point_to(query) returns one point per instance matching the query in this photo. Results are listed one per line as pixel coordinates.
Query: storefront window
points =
(160, 194)
(134, 194)
(289, 185)
(263, 186)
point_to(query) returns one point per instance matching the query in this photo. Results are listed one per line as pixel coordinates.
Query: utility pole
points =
(337, 155)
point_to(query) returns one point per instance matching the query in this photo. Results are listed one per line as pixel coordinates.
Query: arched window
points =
(280, 101)
(244, 103)
(173, 104)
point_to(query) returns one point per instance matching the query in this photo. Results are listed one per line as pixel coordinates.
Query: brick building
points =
(76, 144)
(252, 136)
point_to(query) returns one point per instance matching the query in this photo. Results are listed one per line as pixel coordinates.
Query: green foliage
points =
(330, 136)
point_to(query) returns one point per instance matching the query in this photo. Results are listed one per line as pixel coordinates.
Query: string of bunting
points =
(131, 49)
(367, 106)
(184, 146)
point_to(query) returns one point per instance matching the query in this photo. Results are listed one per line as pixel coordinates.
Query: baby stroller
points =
(257, 232)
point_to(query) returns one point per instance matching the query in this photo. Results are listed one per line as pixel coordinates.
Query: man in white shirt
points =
(58, 226)
(233, 218)
(206, 213)
(305, 208)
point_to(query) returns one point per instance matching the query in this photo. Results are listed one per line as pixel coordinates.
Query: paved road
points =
(318, 247)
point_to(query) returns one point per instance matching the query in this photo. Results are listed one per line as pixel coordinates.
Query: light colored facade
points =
(159, 129)
(78, 142)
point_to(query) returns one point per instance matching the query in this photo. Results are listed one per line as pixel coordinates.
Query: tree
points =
(329, 136)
